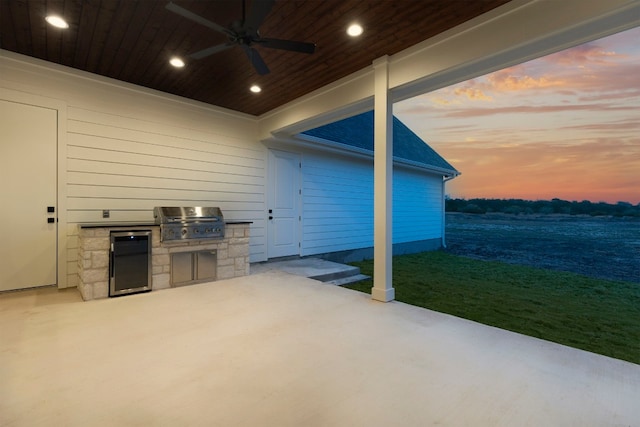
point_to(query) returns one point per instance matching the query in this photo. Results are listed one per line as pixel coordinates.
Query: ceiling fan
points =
(245, 34)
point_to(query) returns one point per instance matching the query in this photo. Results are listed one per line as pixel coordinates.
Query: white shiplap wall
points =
(120, 167)
(129, 149)
(337, 204)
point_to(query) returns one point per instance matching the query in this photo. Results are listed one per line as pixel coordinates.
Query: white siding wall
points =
(129, 149)
(128, 167)
(417, 206)
(337, 204)
(117, 166)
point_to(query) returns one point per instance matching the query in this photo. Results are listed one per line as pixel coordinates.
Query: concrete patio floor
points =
(275, 349)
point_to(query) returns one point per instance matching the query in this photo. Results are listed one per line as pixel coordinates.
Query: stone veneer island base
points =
(232, 255)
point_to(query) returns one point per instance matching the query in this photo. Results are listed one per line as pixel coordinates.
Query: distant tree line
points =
(554, 206)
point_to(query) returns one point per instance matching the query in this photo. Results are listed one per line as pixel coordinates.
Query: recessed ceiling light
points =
(354, 30)
(255, 89)
(176, 62)
(56, 21)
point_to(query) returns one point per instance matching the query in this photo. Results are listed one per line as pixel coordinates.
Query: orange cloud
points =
(473, 94)
(525, 109)
(586, 54)
(484, 112)
(514, 79)
(438, 100)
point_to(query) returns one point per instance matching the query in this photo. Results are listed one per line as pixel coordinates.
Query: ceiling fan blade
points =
(291, 45)
(256, 60)
(195, 18)
(259, 11)
(210, 51)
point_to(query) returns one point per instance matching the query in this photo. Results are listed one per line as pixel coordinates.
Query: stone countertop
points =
(117, 224)
(140, 224)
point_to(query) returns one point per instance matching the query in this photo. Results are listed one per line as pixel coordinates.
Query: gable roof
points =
(357, 131)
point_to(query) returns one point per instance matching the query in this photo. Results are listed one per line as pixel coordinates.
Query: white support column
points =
(383, 180)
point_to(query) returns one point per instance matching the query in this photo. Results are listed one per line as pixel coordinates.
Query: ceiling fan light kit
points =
(244, 33)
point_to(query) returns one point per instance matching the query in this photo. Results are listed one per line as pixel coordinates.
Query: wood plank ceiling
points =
(132, 41)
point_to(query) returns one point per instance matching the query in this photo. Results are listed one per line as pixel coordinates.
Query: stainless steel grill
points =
(189, 223)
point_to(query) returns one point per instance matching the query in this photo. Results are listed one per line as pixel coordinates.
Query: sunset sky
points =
(566, 125)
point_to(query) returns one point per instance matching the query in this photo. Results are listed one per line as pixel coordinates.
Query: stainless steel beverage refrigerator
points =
(130, 262)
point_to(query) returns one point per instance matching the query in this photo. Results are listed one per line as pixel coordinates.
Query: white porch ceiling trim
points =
(514, 33)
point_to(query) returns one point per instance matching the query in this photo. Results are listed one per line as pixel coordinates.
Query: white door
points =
(284, 204)
(28, 159)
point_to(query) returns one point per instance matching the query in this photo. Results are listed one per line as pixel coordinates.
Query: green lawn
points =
(595, 315)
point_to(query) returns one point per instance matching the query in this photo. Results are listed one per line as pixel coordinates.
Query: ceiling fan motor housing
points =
(244, 33)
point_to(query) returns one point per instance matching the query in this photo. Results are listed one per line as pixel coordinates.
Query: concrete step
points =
(314, 268)
(335, 271)
(348, 280)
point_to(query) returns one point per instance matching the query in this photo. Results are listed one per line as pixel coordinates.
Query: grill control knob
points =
(184, 231)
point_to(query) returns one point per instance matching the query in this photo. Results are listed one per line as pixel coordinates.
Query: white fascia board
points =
(344, 98)
(510, 34)
(328, 146)
(423, 167)
(317, 144)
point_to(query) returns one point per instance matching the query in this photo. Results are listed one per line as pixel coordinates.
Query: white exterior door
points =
(284, 204)
(28, 159)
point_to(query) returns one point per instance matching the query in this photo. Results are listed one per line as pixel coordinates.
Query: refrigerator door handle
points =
(111, 263)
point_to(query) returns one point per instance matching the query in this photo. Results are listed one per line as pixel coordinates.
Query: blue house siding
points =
(337, 191)
(337, 205)
(417, 206)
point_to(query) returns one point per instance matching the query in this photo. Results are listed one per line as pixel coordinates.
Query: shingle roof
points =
(357, 131)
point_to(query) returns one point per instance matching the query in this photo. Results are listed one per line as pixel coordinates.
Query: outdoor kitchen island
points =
(230, 255)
